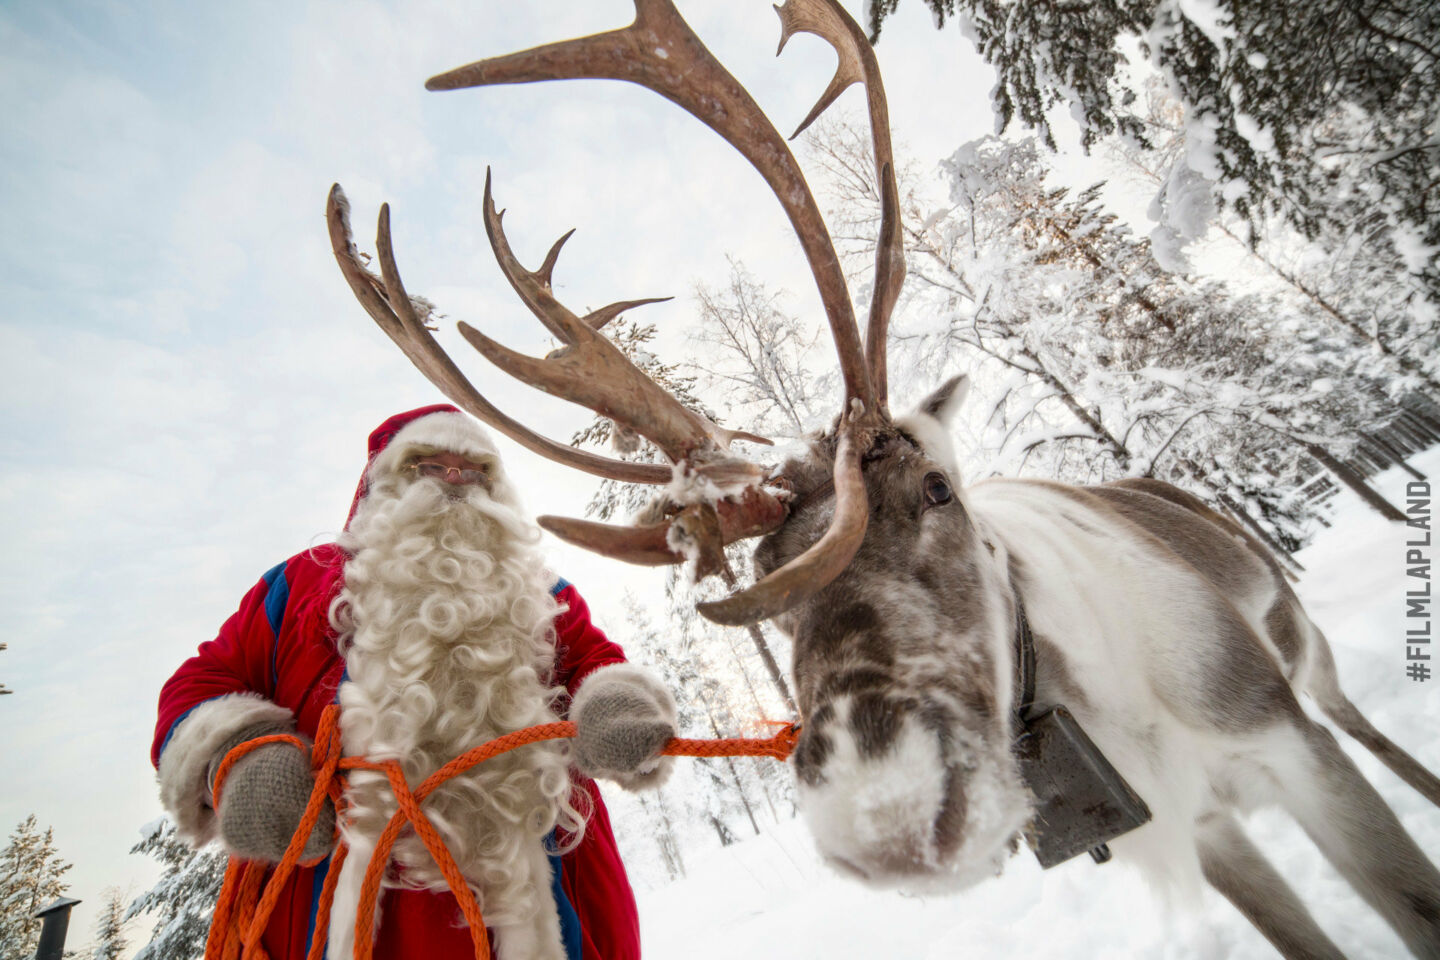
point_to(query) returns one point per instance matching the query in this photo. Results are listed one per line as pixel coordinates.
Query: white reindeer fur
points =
(1115, 607)
(889, 802)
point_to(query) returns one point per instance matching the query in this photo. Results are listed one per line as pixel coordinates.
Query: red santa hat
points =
(436, 427)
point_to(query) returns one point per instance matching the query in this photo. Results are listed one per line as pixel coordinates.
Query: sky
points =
(186, 381)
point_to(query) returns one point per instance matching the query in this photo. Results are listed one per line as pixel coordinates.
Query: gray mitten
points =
(623, 717)
(264, 797)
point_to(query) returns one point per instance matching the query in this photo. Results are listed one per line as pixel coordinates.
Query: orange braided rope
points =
(243, 909)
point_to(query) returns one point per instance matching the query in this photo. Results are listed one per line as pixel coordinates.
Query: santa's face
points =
(452, 469)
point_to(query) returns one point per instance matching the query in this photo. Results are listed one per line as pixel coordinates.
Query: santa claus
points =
(434, 623)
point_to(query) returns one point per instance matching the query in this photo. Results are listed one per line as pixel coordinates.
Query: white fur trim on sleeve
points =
(185, 763)
(625, 675)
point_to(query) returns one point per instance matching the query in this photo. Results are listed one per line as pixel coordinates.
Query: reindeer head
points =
(870, 560)
(903, 668)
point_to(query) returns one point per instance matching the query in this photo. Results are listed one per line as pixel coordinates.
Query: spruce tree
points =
(1344, 279)
(110, 942)
(30, 878)
(183, 899)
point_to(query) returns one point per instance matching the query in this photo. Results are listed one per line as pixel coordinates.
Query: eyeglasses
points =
(439, 471)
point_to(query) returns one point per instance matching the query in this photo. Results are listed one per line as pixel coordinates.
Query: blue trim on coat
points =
(277, 597)
(560, 584)
(569, 919)
(321, 870)
(181, 719)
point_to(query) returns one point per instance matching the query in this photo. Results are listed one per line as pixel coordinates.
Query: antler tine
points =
(589, 369)
(856, 63)
(534, 287)
(757, 512)
(390, 307)
(596, 319)
(810, 572)
(660, 52)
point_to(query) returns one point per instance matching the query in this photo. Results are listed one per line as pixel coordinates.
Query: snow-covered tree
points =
(1344, 279)
(110, 941)
(1316, 112)
(749, 324)
(720, 692)
(760, 358)
(1101, 363)
(183, 899)
(30, 878)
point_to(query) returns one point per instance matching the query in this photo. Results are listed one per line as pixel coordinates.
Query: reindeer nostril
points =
(950, 821)
(810, 755)
(876, 721)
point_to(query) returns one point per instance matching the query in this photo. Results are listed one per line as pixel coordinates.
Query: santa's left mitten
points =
(623, 718)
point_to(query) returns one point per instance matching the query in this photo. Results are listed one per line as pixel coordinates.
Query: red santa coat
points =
(277, 656)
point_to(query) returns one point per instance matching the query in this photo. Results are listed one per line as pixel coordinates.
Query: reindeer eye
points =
(937, 490)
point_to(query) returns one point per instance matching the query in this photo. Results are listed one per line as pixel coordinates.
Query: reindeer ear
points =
(942, 404)
(929, 423)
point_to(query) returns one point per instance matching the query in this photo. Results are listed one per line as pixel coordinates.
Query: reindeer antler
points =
(660, 52)
(857, 64)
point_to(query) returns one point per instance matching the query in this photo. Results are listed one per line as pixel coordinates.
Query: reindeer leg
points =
(1324, 686)
(1359, 834)
(1233, 866)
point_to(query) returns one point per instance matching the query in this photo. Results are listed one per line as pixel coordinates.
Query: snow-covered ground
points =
(770, 897)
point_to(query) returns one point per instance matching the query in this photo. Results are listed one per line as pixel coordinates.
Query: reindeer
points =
(916, 607)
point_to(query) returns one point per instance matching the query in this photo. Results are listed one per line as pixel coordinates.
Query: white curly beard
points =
(446, 625)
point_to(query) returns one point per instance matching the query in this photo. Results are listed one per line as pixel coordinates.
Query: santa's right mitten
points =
(263, 798)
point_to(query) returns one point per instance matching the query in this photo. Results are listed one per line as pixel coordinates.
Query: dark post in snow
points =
(52, 934)
(2, 686)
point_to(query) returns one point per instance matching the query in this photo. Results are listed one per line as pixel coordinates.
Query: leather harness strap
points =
(1024, 662)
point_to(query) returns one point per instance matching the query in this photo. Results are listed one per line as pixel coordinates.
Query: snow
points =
(1260, 137)
(1417, 254)
(771, 897)
(1184, 208)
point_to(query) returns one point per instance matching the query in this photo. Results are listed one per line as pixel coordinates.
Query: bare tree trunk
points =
(722, 831)
(1354, 481)
(1235, 509)
(1394, 453)
(763, 648)
(730, 764)
(665, 839)
(1356, 329)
